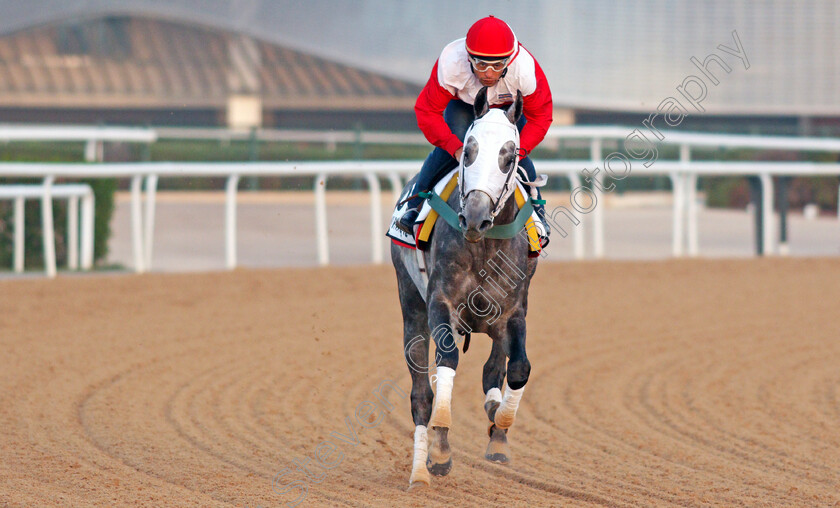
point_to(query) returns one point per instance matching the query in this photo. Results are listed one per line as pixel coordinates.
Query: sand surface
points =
(684, 383)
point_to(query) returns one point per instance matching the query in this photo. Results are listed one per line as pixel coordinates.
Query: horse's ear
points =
(481, 106)
(514, 111)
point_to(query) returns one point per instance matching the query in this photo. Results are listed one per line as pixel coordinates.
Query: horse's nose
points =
(471, 231)
(475, 218)
(472, 226)
(462, 221)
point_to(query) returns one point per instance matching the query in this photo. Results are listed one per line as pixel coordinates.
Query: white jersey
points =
(454, 73)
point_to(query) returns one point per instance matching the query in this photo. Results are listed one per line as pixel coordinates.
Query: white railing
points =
(46, 193)
(683, 177)
(684, 184)
(700, 138)
(328, 138)
(92, 136)
(683, 174)
(147, 175)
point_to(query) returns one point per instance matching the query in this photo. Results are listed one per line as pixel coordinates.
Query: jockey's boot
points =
(406, 222)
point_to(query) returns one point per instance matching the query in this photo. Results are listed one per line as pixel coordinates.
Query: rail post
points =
(149, 224)
(598, 215)
(73, 233)
(88, 226)
(767, 212)
(137, 223)
(375, 217)
(321, 219)
(47, 224)
(690, 183)
(230, 221)
(20, 239)
(679, 208)
(578, 236)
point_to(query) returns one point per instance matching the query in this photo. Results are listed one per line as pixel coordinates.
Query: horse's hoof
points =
(498, 449)
(501, 458)
(418, 485)
(419, 477)
(439, 459)
(439, 469)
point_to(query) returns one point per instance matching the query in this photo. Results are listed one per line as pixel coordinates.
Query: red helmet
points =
(491, 37)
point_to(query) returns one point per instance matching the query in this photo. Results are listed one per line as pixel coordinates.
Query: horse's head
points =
(488, 165)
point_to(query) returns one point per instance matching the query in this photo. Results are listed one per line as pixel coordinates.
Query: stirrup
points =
(543, 232)
(406, 222)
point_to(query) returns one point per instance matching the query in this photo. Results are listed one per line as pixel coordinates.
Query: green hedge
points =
(103, 190)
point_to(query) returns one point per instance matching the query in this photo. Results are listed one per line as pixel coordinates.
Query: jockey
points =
(489, 56)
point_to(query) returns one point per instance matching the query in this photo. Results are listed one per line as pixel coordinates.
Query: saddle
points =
(428, 217)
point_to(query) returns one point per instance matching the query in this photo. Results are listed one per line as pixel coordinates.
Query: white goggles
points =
(482, 65)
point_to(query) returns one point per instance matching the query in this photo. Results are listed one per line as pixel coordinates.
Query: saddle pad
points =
(399, 236)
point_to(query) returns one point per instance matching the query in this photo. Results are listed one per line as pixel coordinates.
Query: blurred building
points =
(327, 61)
(139, 70)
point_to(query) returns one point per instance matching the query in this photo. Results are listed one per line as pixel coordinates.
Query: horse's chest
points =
(480, 300)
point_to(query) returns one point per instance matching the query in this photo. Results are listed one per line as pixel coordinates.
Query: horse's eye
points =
(470, 151)
(507, 157)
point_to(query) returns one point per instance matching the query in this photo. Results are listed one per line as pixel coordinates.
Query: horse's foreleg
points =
(416, 350)
(494, 375)
(506, 413)
(439, 461)
(492, 378)
(518, 370)
(419, 472)
(442, 412)
(417, 358)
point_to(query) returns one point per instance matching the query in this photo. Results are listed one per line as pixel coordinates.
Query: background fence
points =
(144, 176)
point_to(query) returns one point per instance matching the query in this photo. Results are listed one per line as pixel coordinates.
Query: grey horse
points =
(473, 284)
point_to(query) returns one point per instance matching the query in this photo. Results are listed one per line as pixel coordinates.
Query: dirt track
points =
(692, 383)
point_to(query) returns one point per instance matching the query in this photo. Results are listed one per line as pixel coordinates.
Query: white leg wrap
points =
(419, 473)
(442, 412)
(493, 395)
(507, 411)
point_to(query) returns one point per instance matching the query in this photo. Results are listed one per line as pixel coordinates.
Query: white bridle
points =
(491, 132)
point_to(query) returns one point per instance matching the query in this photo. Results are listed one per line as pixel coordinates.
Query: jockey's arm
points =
(538, 110)
(429, 109)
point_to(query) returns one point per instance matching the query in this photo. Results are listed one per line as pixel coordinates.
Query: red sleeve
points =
(429, 110)
(538, 111)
